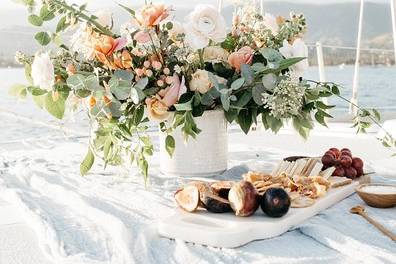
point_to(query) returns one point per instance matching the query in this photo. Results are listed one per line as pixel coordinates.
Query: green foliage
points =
(87, 163)
(46, 14)
(43, 38)
(55, 107)
(35, 20)
(170, 145)
(18, 90)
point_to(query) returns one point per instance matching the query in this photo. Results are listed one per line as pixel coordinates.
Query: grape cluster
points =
(346, 165)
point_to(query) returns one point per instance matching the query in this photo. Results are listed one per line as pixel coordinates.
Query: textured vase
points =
(205, 156)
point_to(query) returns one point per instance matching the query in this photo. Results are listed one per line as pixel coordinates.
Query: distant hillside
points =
(333, 24)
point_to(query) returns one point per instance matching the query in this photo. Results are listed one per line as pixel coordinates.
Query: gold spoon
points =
(359, 209)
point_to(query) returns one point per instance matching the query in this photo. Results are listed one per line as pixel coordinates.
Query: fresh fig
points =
(275, 202)
(215, 204)
(222, 188)
(188, 198)
(243, 198)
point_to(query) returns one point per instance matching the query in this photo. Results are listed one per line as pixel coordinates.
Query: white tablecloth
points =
(110, 217)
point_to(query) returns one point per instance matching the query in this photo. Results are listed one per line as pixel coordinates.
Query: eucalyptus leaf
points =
(237, 83)
(43, 38)
(76, 81)
(124, 75)
(225, 101)
(87, 163)
(62, 25)
(258, 92)
(269, 81)
(35, 20)
(142, 83)
(55, 107)
(46, 14)
(137, 95)
(271, 55)
(247, 73)
(170, 145)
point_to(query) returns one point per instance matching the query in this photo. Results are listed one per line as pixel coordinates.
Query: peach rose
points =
(243, 56)
(200, 81)
(104, 46)
(152, 14)
(156, 109)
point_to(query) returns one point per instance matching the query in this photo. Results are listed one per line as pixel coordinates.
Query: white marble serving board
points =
(230, 231)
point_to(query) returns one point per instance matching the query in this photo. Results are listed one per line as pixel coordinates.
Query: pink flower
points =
(171, 95)
(142, 37)
(243, 56)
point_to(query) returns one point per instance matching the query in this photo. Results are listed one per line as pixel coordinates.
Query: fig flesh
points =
(188, 198)
(215, 204)
(222, 188)
(275, 202)
(243, 198)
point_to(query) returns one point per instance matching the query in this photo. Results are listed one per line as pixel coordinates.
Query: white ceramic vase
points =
(205, 156)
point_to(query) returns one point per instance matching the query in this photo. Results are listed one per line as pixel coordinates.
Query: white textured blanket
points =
(110, 217)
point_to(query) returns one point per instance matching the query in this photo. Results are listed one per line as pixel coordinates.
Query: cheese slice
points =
(336, 181)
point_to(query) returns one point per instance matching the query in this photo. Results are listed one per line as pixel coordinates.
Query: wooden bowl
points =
(379, 200)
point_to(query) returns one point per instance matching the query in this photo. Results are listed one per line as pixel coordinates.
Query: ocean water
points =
(377, 88)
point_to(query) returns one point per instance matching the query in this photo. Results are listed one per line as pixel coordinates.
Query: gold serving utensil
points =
(360, 210)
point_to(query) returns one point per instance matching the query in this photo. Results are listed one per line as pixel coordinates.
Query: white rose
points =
(271, 23)
(215, 54)
(297, 49)
(203, 24)
(104, 17)
(200, 81)
(43, 71)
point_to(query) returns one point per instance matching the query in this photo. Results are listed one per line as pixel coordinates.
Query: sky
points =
(10, 4)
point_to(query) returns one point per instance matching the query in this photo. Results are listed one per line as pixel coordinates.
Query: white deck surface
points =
(52, 215)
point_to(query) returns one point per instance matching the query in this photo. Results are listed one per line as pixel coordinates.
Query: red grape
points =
(350, 173)
(336, 151)
(346, 153)
(357, 163)
(339, 171)
(346, 150)
(330, 153)
(327, 160)
(346, 161)
(359, 172)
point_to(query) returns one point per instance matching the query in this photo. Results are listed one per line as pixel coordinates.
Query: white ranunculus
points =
(297, 49)
(270, 23)
(43, 71)
(203, 24)
(104, 17)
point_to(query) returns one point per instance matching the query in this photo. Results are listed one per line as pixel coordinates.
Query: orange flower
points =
(123, 60)
(104, 47)
(243, 56)
(152, 14)
(92, 101)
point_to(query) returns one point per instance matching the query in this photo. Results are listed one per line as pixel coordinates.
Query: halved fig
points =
(215, 204)
(188, 198)
(222, 188)
(244, 199)
(202, 187)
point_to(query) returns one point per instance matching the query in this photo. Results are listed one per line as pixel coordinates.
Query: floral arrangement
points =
(160, 70)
